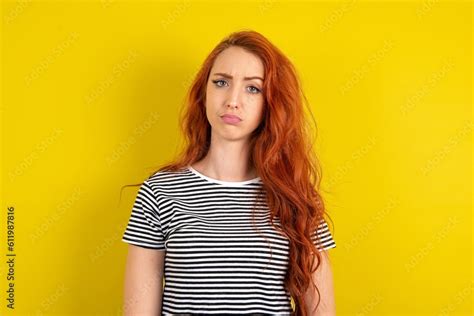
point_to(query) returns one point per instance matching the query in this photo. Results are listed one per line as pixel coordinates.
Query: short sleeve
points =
(144, 227)
(326, 240)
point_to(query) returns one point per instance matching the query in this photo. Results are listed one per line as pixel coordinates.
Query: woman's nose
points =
(235, 96)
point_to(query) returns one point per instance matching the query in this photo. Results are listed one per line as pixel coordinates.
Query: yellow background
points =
(90, 97)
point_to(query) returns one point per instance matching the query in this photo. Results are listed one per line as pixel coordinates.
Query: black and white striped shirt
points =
(216, 261)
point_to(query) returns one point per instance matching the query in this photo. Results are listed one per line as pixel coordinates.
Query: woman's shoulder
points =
(167, 177)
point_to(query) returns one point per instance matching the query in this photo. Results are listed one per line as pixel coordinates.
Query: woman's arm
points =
(143, 281)
(323, 279)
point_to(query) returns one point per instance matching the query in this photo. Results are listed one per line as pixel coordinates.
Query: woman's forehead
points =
(236, 61)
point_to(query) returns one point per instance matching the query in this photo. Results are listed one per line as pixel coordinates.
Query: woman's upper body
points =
(221, 254)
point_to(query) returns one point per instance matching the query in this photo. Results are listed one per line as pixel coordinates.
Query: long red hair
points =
(281, 152)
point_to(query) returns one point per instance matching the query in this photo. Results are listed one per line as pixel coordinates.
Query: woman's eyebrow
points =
(230, 77)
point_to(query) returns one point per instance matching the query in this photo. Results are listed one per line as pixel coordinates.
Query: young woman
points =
(235, 224)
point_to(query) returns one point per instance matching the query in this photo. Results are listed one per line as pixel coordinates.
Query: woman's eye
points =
(255, 90)
(218, 81)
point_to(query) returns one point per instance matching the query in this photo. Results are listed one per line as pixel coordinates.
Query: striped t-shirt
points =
(218, 260)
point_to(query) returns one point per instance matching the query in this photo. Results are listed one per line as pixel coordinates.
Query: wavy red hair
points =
(281, 152)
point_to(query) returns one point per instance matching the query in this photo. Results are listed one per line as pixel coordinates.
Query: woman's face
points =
(235, 87)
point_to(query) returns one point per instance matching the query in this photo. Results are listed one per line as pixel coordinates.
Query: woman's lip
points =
(231, 116)
(230, 119)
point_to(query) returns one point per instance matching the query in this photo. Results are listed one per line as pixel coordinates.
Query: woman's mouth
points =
(230, 119)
